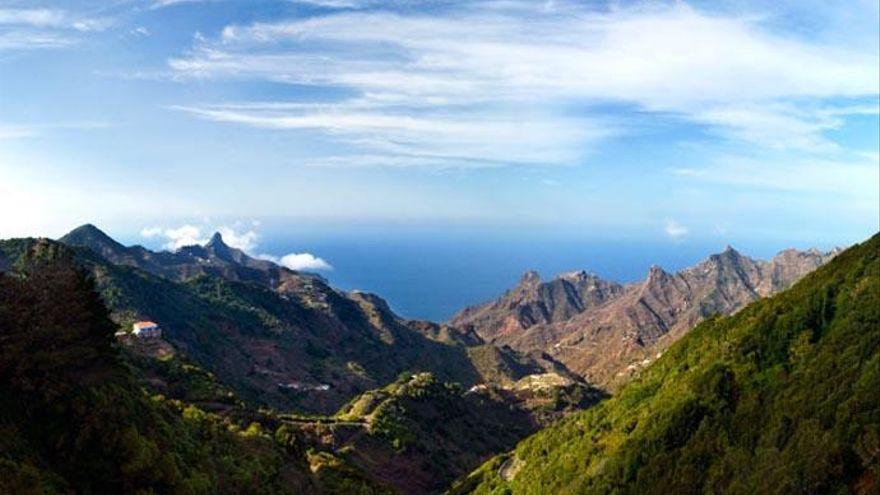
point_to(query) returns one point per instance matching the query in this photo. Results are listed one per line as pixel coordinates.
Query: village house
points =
(146, 330)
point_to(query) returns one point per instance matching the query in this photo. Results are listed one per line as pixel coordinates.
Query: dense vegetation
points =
(423, 432)
(783, 397)
(74, 420)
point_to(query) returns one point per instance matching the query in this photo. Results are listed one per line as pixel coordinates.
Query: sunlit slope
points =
(783, 397)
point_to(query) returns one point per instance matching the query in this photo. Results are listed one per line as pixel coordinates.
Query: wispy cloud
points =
(855, 177)
(36, 28)
(9, 131)
(464, 138)
(21, 131)
(139, 32)
(507, 72)
(161, 4)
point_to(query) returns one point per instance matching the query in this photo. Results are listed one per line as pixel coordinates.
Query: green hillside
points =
(783, 397)
(253, 338)
(74, 420)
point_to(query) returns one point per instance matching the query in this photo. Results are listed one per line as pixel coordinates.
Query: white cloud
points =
(490, 82)
(304, 262)
(675, 230)
(33, 17)
(150, 232)
(185, 235)
(246, 240)
(52, 18)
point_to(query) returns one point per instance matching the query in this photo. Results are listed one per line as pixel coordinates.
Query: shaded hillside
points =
(74, 420)
(783, 397)
(607, 332)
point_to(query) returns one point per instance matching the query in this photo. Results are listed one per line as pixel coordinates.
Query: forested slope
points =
(74, 420)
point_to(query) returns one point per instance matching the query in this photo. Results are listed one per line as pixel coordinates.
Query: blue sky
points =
(677, 121)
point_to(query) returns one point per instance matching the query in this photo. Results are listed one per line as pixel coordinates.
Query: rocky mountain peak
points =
(221, 250)
(656, 274)
(729, 253)
(216, 240)
(216, 243)
(530, 277)
(729, 258)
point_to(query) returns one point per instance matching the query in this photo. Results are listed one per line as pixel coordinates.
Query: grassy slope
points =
(783, 397)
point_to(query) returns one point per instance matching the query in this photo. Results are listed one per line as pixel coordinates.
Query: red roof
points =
(145, 324)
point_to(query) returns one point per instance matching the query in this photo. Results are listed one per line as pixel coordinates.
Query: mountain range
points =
(340, 393)
(605, 331)
(280, 338)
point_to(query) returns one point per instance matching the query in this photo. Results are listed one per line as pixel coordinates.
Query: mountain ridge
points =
(608, 331)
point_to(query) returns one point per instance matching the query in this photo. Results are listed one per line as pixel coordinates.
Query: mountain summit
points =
(93, 238)
(216, 243)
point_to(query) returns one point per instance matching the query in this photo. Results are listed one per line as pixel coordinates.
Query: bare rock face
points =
(606, 332)
(534, 302)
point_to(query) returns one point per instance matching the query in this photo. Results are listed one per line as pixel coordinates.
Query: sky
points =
(164, 120)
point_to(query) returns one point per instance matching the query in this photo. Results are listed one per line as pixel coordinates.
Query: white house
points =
(146, 330)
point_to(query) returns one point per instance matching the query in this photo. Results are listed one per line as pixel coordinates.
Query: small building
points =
(146, 330)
